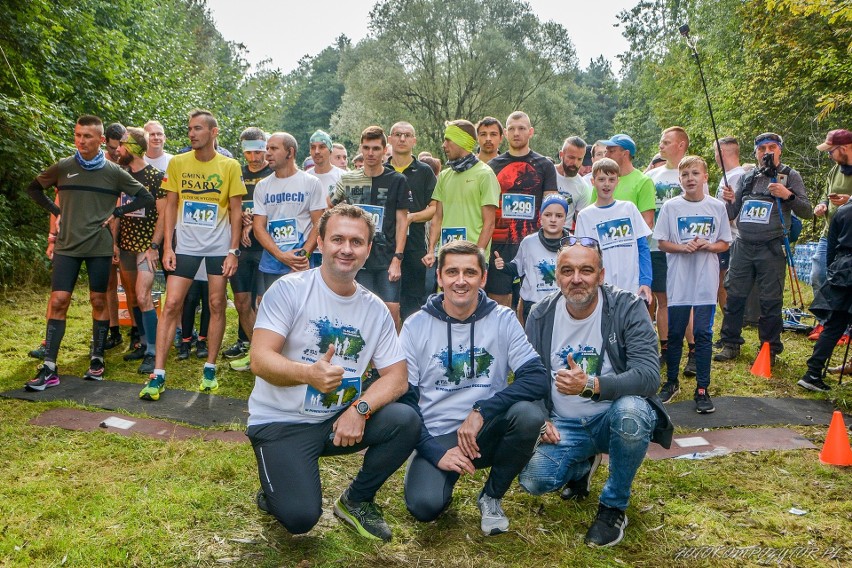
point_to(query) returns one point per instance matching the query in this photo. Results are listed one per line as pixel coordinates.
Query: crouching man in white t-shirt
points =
(316, 333)
(460, 348)
(599, 344)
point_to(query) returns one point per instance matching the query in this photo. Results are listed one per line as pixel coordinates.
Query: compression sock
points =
(140, 323)
(114, 329)
(150, 319)
(100, 328)
(53, 339)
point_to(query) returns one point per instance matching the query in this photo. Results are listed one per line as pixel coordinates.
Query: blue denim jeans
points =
(702, 326)
(623, 431)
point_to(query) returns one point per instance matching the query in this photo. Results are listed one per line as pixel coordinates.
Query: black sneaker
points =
(201, 349)
(114, 340)
(138, 352)
(718, 344)
(45, 378)
(690, 370)
(260, 499)
(236, 351)
(96, 370)
(183, 350)
(703, 404)
(39, 352)
(669, 391)
(608, 528)
(810, 382)
(579, 488)
(147, 365)
(365, 516)
(729, 352)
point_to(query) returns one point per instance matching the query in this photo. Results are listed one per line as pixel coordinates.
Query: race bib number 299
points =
(518, 206)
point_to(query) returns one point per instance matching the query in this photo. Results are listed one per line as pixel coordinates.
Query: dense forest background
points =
(780, 65)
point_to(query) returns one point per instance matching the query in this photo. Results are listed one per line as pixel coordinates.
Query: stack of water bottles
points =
(802, 255)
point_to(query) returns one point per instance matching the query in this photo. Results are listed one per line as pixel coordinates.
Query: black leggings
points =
(288, 461)
(66, 270)
(198, 292)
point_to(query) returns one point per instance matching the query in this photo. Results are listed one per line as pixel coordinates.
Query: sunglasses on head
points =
(587, 242)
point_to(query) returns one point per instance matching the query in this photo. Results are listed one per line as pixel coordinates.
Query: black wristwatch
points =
(117, 212)
(398, 255)
(589, 390)
(155, 246)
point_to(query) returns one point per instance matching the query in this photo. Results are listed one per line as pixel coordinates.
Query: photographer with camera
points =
(762, 205)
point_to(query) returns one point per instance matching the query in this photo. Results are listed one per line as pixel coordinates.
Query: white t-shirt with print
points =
(538, 267)
(693, 279)
(616, 227)
(666, 186)
(582, 340)
(448, 392)
(303, 309)
(329, 179)
(733, 176)
(576, 192)
(287, 204)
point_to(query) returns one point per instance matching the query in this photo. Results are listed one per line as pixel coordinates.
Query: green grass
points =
(99, 499)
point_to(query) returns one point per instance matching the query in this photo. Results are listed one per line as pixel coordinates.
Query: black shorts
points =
(246, 277)
(66, 270)
(186, 266)
(497, 282)
(659, 269)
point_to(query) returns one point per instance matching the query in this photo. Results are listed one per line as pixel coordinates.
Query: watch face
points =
(362, 407)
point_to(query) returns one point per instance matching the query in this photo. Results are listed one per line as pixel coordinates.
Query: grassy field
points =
(98, 499)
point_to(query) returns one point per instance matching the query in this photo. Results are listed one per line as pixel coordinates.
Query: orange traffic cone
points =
(763, 365)
(836, 450)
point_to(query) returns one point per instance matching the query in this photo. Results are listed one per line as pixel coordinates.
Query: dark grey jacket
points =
(630, 344)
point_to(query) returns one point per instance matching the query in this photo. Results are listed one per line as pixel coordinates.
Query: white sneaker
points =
(494, 520)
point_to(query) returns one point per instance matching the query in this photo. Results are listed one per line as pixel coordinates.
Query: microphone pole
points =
(684, 31)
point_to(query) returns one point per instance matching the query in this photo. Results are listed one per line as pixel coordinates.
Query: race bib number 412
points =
(200, 215)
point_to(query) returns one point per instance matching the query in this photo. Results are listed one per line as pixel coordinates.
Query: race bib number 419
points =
(756, 211)
(200, 215)
(518, 206)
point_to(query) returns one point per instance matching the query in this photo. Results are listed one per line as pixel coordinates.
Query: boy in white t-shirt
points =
(692, 229)
(620, 229)
(536, 257)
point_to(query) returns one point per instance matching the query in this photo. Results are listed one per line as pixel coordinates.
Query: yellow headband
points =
(455, 134)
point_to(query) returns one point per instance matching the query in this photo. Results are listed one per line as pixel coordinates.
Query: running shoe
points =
(494, 520)
(703, 404)
(236, 351)
(365, 516)
(114, 340)
(201, 349)
(137, 352)
(669, 391)
(183, 350)
(155, 385)
(39, 352)
(243, 364)
(608, 528)
(96, 370)
(209, 384)
(45, 378)
(147, 365)
(814, 335)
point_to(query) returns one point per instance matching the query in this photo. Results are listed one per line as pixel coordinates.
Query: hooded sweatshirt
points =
(455, 365)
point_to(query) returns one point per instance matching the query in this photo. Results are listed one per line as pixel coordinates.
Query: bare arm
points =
(423, 215)
(311, 239)
(268, 363)
(489, 216)
(648, 216)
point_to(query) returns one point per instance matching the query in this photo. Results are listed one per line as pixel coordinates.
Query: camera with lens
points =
(769, 168)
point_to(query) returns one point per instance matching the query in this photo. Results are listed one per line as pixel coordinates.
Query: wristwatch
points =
(398, 255)
(235, 252)
(589, 390)
(362, 407)
(155, 246)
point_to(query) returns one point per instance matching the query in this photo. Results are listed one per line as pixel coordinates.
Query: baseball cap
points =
(622, 141)
(834, 138)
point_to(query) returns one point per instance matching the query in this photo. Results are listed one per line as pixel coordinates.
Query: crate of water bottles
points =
(802, 255)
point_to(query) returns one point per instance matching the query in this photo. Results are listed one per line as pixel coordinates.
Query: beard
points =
(570, 171)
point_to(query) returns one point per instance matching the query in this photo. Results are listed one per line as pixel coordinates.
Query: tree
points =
(597, 98)
(429, 61)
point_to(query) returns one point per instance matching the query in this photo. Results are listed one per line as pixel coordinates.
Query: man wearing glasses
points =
(421, 183)
(599, 345)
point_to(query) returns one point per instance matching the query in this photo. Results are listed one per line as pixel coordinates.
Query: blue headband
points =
(554, 200)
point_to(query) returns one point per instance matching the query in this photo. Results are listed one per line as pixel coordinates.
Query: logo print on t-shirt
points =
(586, 357)
(347, 340)
(517, 177)
(547, 271)
(461, 370)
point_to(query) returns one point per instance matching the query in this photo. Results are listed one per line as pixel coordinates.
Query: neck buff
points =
(95, 163)
(463, 164)
(846, 169)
